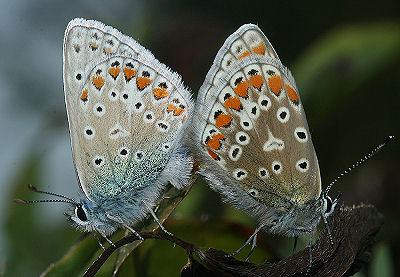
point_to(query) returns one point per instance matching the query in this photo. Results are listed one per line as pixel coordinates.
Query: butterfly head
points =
(327, 204)
(82, 215)
(87, 218)
(296, 220)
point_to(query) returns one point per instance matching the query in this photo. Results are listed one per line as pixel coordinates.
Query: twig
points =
(353, 231)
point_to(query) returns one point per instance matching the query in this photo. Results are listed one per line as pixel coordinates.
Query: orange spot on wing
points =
(98, 81)
(245, 54)
(114, 71)
(218, 136)
(129, 73)
(215, 141)
(178, 111)
(233, 103)
(214, 144)
(292, 94)
(160, 93)
(256, 81)
(84, 94)
(259, 49)
(223, 120)
(170, 108)
(142, 82)
(213, 155)
(275, 84)
(241, 89)
(108, 50)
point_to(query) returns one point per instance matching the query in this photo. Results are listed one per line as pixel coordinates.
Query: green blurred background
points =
(344, 55)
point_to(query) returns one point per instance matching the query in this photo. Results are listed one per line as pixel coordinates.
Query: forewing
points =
(247, 40)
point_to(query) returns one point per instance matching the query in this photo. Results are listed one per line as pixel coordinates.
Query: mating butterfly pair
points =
(134, 129)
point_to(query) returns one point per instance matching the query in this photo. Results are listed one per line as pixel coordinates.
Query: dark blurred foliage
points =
(345, 57)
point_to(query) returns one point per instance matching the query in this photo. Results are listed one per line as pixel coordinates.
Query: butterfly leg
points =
(119, 221)
(156, 219)
(97, 238)
(133, 231)
(248, 241)
(310, 252)
(253, 246)
(105, 237)
(295, 244)
(324, 219)
(327, 229)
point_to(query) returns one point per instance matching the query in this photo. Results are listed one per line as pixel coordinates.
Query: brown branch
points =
(353, 230)
(129, 239)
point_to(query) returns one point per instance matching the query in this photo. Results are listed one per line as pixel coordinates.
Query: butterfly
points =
(250, 133)
(126, 113)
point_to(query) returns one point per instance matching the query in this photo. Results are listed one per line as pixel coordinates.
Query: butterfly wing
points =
(250, 128)
(247, 40)
(126, 113)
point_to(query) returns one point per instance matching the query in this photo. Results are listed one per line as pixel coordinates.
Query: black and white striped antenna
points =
(359, 162)
(63, 199)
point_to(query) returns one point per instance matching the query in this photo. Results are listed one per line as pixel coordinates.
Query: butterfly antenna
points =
(17, 200)
(34, 189)
(359, 162)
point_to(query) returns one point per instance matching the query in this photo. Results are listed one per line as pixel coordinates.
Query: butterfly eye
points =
(327, 204)
(80, 213)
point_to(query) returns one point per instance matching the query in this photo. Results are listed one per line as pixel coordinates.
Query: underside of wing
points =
(251, 128)
(126, 111)
(247, 40)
